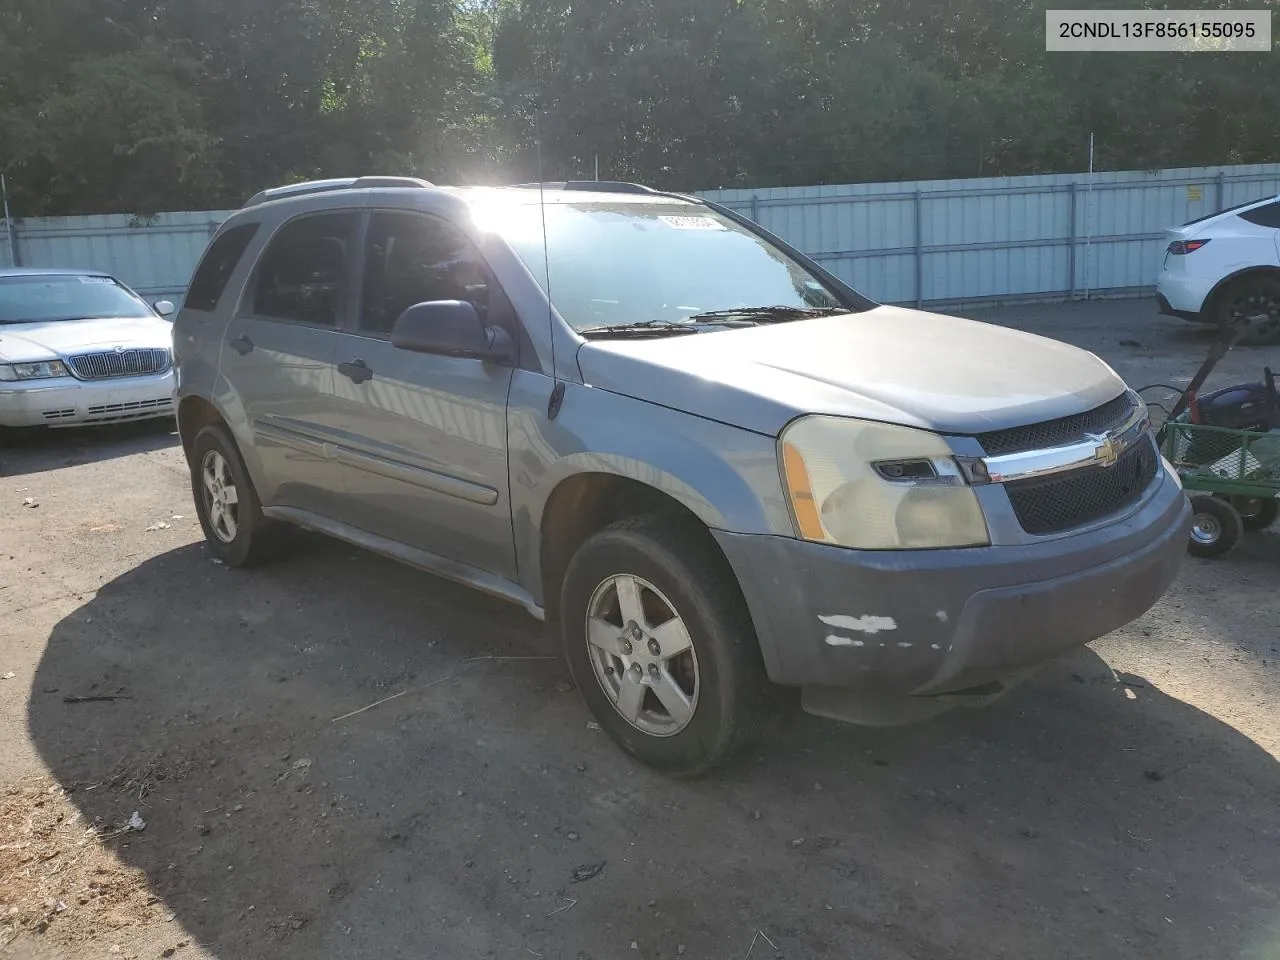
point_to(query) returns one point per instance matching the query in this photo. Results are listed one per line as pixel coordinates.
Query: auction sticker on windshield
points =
(692, 223)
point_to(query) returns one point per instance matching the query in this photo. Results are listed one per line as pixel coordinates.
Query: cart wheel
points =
(1255, 512)
(1216, 527)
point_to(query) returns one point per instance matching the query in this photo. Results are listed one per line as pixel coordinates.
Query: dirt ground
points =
(1121, 804)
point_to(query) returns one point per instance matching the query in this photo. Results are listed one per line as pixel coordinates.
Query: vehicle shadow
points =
(479, 813)
(39, 449)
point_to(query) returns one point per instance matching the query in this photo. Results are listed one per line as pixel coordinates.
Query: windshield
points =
(38, 299)
(646, 262)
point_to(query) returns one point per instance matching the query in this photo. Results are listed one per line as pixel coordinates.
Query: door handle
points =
(357, 371)
(241, 344)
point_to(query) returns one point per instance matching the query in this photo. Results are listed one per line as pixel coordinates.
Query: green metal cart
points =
(1232, 478)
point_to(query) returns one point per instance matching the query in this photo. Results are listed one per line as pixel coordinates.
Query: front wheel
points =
(1216, 527)
(659, 642)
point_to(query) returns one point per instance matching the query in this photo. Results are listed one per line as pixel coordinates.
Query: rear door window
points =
(304, 274)
(216, 267)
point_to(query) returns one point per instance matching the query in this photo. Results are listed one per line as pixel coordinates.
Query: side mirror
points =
(451, 328)
(164, 307)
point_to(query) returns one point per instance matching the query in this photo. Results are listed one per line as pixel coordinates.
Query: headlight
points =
(874, 486)
(33, 371)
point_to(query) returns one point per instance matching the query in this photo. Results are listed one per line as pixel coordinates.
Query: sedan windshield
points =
(657, 264)
(41, 299)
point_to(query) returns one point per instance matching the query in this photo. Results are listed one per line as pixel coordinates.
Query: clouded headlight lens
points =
(33, 371)
(875, 486)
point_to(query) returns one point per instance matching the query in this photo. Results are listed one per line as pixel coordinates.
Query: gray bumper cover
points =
(932, 622)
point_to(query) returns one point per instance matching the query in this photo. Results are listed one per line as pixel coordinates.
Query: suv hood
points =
(23, 342)
(888, 364)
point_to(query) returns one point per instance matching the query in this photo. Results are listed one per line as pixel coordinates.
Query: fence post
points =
(755, 208)
(919, 250)
(1071, 244)
(9, 228)
(1220, 190)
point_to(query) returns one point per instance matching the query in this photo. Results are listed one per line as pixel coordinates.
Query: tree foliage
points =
(143, 105)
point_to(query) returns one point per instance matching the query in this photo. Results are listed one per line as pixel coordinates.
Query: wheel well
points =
(194, 413)
(1211, 302)
(583, 504)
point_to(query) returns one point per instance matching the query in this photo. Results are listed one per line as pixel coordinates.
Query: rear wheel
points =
(1255, 512)
(659, 642)
(226, 502)
(1216, 527)
(1255, 302)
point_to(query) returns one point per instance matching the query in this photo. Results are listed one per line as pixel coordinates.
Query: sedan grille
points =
(1061, 502)
(1061, 432)
(121, 363)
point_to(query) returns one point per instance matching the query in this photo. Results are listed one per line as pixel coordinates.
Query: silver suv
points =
(706, 461)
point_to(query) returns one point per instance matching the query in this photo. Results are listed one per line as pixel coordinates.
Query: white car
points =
(1225, 268)
(79, 348)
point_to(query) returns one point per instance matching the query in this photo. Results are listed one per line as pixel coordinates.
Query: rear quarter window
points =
(1268, 216)
(216, 267)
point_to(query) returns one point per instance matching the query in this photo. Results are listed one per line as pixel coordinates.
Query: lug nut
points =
(654, 648)
(626, 647)
(636, 672)
(653, 670)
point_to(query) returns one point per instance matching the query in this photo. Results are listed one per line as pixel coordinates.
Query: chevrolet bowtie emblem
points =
(1107, 451)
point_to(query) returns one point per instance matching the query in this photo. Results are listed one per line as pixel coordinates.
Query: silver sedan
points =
(81, 348)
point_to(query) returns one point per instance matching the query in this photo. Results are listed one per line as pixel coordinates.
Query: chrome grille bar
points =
(122, 363)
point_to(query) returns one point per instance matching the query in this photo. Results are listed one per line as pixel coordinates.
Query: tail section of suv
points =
(709, 464)
(1225, 269)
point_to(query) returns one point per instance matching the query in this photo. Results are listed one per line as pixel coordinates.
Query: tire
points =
(676, 568)
(1255, 512)
(238, 533)
(1217, 528)
(1255, 300)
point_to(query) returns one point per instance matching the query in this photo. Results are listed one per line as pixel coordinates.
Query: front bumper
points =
(934, 622)
(66, 401)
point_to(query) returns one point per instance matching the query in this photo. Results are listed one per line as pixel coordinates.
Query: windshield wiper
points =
(642, 328)
(774, 314)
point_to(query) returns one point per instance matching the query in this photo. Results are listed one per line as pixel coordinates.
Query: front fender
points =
(726, 476)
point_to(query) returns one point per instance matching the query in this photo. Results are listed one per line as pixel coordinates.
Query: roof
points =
(572, 191)
(49, 272)
(556, 194)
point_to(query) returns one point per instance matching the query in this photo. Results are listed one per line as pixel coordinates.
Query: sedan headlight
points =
(33, 371)
(875, 486)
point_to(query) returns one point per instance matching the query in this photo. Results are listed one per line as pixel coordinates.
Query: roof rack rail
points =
(592, 186)
(325, 186)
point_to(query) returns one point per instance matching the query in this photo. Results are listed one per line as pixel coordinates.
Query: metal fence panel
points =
(156, 255)
(931, 241)
(999, 238)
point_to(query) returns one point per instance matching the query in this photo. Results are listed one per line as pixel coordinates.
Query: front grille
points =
(123, 363)
(1059, 433)
(1067, 500)
(59, 414)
